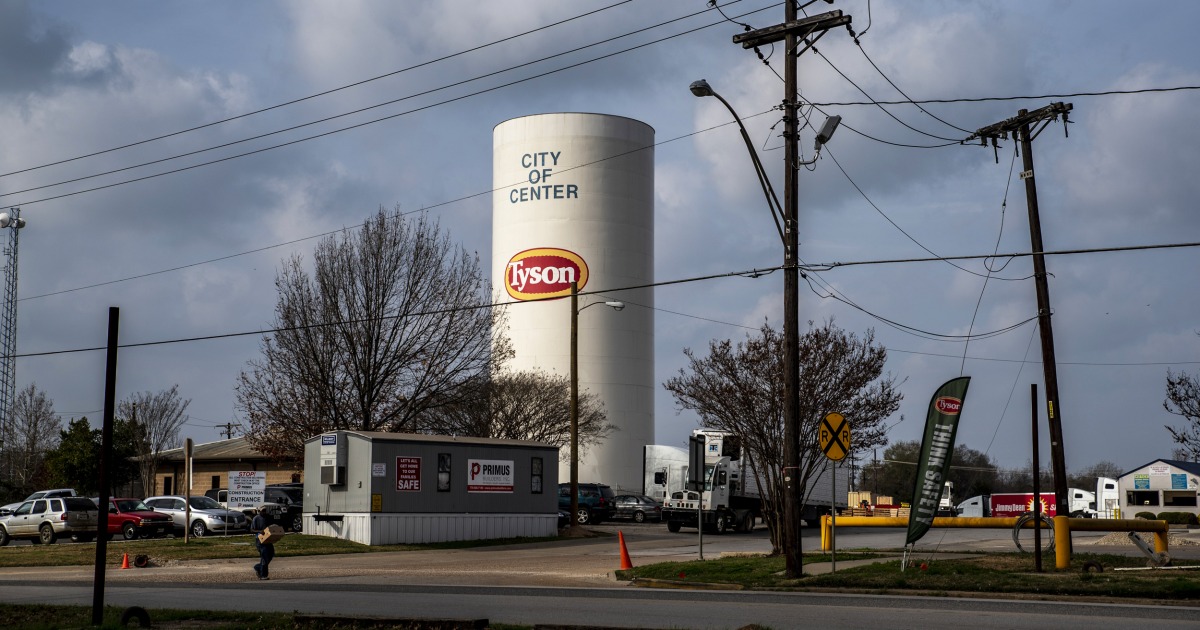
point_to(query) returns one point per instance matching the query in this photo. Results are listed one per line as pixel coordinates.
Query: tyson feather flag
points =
(937, 448)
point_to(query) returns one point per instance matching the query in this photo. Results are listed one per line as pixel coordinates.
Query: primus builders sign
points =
(489, 475)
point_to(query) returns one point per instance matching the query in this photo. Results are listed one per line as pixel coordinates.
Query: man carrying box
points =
(264, 539)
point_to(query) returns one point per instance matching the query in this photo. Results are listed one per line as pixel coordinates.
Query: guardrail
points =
(1063, 526)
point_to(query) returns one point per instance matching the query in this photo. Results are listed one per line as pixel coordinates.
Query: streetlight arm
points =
(759, 170)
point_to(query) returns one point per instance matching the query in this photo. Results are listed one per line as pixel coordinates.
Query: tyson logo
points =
(544, 272)
(948, 406)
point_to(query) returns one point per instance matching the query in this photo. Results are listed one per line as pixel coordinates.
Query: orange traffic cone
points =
(625, 563)
(125, 561)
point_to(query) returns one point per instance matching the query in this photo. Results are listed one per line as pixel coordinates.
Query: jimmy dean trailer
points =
(380, 488)
(731, 500)
(1081, 502)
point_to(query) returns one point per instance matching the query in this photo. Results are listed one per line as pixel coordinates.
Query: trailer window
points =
(535, 475)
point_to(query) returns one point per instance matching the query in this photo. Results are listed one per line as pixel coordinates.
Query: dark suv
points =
(287, 505)
(595, 502)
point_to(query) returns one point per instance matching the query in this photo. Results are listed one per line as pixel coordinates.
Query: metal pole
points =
(791, 311)
(833, 520)
(1049, 370)
(1037, 484)
(574, 406)
(106, 438)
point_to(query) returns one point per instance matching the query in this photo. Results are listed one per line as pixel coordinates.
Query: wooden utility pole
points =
(791, 32)
(1019, 126)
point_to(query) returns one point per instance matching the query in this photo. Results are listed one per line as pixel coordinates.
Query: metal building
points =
(573, 200)
(380, 488)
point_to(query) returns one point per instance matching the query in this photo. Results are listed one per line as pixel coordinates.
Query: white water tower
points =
(573, 200)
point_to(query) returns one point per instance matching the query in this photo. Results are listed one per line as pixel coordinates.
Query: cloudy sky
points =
(194, 253)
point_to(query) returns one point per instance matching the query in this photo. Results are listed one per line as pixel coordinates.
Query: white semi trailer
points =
(731, 499)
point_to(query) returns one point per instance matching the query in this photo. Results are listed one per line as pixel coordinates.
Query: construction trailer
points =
(380, 488)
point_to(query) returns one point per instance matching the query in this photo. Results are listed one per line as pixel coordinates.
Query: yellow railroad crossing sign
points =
(834, 437)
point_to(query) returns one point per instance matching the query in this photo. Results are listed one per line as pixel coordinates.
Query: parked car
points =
(133, 519)
(289, 497)
(40, 494)
(284, 503)
(638, 507)
(45, 520)
(595, 502)
(207, 515)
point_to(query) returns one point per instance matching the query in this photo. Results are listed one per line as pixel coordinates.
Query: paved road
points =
(569, 582)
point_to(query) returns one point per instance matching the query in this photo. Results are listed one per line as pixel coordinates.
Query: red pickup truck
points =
(133, 519)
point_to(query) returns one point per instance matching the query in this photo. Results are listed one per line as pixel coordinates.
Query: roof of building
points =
(385, 436)
(236, 448)
(1191, 467)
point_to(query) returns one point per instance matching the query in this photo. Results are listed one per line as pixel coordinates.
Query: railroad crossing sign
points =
(834, 437)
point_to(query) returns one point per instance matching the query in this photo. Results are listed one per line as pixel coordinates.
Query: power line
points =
(988, 99)
(366, 123)
(750, 273)
(318, 94)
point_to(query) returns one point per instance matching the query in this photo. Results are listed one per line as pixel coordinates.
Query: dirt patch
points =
(1122, 538)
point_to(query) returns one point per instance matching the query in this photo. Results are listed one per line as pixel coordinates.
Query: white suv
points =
(44, 520)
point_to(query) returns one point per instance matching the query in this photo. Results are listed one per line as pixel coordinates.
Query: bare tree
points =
(1183, 399)
(155, 419)
(740, 389)
(522, 406)
(34, 432)
(391, 322)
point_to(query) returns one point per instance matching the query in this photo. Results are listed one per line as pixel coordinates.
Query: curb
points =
(688, 586)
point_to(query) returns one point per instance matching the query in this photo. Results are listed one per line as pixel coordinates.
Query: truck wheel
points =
(639, 517)
(583, 516)
(748, 523)
(46, 534)
(298, 523)
(129, 532)
(4, 537)
(673, 526)
(720, 526)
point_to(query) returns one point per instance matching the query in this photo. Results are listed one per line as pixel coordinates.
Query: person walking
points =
(266, 551)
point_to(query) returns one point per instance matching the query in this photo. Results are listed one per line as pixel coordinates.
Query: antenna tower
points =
(8, 327)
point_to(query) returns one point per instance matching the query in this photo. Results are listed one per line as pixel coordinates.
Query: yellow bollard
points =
(825, 533)
(1062, 543)
(1160, 542)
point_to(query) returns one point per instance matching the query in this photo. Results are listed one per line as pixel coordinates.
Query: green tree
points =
(75, 463)
(739, 389)
(971, 472)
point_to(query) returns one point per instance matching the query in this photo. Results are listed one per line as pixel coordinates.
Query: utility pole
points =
(228, 429)
(1019, 126)
(791, 32)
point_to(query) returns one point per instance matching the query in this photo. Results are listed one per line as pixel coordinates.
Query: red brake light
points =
(63, 517)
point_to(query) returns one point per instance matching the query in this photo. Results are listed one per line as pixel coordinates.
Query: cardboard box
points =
(272, 535)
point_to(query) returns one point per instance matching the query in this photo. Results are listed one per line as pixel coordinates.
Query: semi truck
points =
(1081, 502)
(731, 499)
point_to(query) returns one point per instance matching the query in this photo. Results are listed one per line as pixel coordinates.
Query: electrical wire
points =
(361, 110)
(992, 99)
(910, 237)
(862, 50)
(1011, 391)
(319, 94)
(881, 107)
(422, 209)
(999, 234)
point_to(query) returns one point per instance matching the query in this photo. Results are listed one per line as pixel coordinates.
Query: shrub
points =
(1178, 518)
(1149, 516)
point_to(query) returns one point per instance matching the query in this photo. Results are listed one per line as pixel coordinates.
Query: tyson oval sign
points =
(948, 405)
(544, 272)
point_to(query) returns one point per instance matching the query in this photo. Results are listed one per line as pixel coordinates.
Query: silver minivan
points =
(207, 515)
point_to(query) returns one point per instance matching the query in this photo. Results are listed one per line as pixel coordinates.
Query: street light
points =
(575, 309)
(791, 314)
